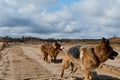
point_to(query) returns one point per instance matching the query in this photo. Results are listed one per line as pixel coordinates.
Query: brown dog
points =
(87, 58)
(52, 50)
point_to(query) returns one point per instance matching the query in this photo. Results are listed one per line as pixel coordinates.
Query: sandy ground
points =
(25, 62)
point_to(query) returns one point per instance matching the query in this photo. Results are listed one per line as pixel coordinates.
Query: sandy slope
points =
(26, 63)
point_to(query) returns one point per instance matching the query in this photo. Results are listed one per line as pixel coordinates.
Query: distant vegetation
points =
(37, 40)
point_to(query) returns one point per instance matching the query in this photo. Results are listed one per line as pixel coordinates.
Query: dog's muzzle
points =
(113, 55)
(61, 47)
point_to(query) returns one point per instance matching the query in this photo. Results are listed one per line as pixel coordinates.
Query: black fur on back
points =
(75, 51)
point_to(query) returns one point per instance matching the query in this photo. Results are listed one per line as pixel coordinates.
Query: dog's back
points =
(46, 47)
(74, 51)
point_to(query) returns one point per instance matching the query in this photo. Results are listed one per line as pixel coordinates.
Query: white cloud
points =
(16, 29)
(83, 19)
(95, 11)
(62, 15)
(68, 28)
(29, 9)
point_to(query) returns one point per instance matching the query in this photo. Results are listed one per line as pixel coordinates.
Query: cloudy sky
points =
(60, 18)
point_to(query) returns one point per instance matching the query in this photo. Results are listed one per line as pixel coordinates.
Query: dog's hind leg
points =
(54, 59)
(45, 56)
(65, 65)
(73, 69)
(73, 72)
(63, 68)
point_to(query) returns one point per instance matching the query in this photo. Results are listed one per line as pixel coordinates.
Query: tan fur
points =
(90, 58)
(52, 50)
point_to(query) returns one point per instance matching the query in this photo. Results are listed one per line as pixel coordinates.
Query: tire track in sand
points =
(17, 66)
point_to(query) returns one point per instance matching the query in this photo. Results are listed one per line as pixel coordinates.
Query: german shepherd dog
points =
(87, 58)
(52, 50)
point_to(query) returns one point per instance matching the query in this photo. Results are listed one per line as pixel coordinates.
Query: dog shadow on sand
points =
(100, 77)
(57, 61)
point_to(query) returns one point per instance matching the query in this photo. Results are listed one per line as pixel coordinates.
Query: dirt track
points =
(26, 63)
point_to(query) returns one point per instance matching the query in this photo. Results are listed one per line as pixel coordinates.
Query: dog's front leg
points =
(87, 74)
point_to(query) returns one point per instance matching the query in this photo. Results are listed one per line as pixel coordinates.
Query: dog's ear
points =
(54, 45)
(108, 42)
(103, 40)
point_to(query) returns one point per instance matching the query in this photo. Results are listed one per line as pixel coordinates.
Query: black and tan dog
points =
(52, 50)
(87, 58)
